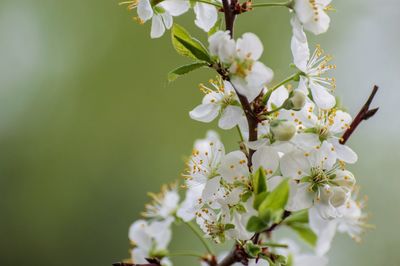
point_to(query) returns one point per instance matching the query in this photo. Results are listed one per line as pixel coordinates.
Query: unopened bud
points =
(298, 100)
(283, 130)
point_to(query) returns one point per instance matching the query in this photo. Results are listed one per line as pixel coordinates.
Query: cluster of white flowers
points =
(293, 173)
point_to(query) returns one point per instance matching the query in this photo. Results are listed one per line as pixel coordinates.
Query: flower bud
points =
(283, 130)
(298, 100)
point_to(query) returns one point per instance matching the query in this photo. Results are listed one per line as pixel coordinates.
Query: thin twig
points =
(364, 114)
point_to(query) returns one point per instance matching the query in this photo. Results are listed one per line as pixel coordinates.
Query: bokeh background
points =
(89, 124)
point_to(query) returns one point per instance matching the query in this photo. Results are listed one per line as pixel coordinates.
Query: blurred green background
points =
(89, 124)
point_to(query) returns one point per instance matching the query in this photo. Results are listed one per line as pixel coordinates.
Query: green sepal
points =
(188, 46)
(182, 70)
(229, 226)
(252, 249)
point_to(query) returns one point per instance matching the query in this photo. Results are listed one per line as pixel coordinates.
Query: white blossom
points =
(311, 13)
(316, 181)
(221, 100)
(352, 221)
(247, 74)
(164, 204)
(150, 239)
(161, 13)
(313, 68)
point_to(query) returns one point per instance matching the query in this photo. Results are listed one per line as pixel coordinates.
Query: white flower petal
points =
(144, 10)
(344, 153)
(341, 122)
(230, 117)
(175, 7)
(266, 158)
(206, 16)
(321, 96)
(205, 112)
(157, 27)
(300, 197)
(234, 166)
(325, 230)
(294, 164)
(278, 97)
(249, 46)
(167, 19)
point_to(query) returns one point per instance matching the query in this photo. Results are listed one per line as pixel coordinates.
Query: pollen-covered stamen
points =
(156, 207)
(320, 178)
(244, 67)
(130, 4)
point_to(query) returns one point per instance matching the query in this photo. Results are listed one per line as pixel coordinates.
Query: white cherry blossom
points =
(316, 181)
(313, 68)
(311, 13)
(164, 204)
(247, 74)
(161, 13)
(150, 239)
(221, 100)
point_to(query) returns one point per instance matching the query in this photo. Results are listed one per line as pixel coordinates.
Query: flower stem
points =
(274, 245)
(284, 4)
(240, 134)
(199, 236)
(283, 82)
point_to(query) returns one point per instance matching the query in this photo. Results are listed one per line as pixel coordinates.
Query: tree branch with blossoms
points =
(290, 169)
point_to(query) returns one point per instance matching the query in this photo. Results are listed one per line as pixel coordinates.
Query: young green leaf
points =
(255, 224)
(276, 200)
(305, 233)
(182, 70)
(188, 46)
(259, 181)
(298, 217)
(258, 199)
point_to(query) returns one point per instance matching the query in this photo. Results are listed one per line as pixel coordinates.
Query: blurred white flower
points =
(150, 239)
(164, 204)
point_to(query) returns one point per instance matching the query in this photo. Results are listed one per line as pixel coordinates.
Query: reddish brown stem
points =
(364, 114)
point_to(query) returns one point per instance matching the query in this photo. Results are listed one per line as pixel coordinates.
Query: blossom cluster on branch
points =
(290, 168)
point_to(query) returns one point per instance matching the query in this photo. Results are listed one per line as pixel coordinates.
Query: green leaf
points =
(259, 181)
(298, 217)
(255, 224)
(188, 46)
(305, 233)
(258, 199)
(276, 200)
(182, 70)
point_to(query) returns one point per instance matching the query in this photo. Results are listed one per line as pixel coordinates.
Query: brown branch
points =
(364, 114)
(151, 262)
(237, 254)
